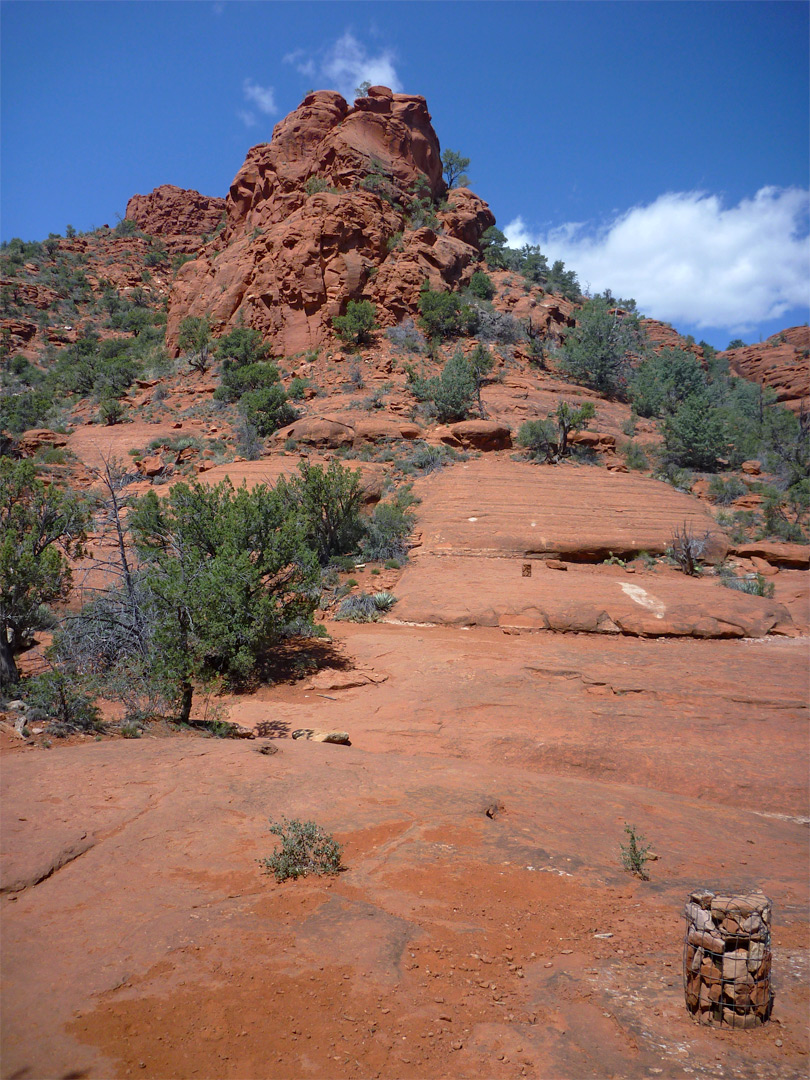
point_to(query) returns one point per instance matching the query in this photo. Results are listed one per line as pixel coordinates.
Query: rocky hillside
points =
(513, 585)
(781, 363)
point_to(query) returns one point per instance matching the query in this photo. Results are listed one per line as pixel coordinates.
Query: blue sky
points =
(660, 149)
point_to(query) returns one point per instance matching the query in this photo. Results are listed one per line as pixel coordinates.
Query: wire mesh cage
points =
(727, 958)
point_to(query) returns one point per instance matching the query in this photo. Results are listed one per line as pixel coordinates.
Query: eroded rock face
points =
(662, 336)
(317, 217)
(782, 363)
(175, 213)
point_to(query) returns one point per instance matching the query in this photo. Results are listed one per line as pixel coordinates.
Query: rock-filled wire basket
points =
(727, 958)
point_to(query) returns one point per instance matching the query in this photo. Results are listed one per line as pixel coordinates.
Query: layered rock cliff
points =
(781, 363)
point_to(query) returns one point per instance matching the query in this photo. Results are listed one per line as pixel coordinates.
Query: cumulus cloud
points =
(260, 96)
(687, 258)
(302, 63)
(346, 64)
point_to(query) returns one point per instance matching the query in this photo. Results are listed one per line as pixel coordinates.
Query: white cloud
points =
(687, 258)
(302, 63)
(247, 118)
(260, 96)
(346, 64)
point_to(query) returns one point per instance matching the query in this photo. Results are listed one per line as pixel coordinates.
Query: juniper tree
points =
(41, 528)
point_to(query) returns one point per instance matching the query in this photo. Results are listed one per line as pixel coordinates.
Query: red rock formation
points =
(173, 213)
(663, 336)
(782, 363)
(311, 217)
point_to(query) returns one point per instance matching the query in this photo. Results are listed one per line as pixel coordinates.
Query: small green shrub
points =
(635, 853)
(70, 708)
(305, 849)
(357, 326)
(634, 456)
(356, 380)
(344, 563)
(51, 455)
(428, 459)
(785, 511)
(376, 399)
(316, 184)
(110, 411)
(386, 532)
(753, 585)
(383, 600)
(443, 315)
(481, 285)
(724, 492)
(297, 388)
(363, 607)
(680, 479)
(267, 409)
(452, 393)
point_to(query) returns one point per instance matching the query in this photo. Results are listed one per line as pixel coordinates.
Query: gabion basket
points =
(727, 958)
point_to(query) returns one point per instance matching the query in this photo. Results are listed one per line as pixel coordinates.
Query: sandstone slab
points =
(794, 556)
(177, 943)
(581, 513)
(468, 591)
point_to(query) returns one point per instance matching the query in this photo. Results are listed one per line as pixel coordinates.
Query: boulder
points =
(596, 440)
(317, 431)
(339, 737)
(151, 466)
(477, 434)
(36, 438)
(378, 429)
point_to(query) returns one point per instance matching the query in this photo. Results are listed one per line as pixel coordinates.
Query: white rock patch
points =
(641, 596)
